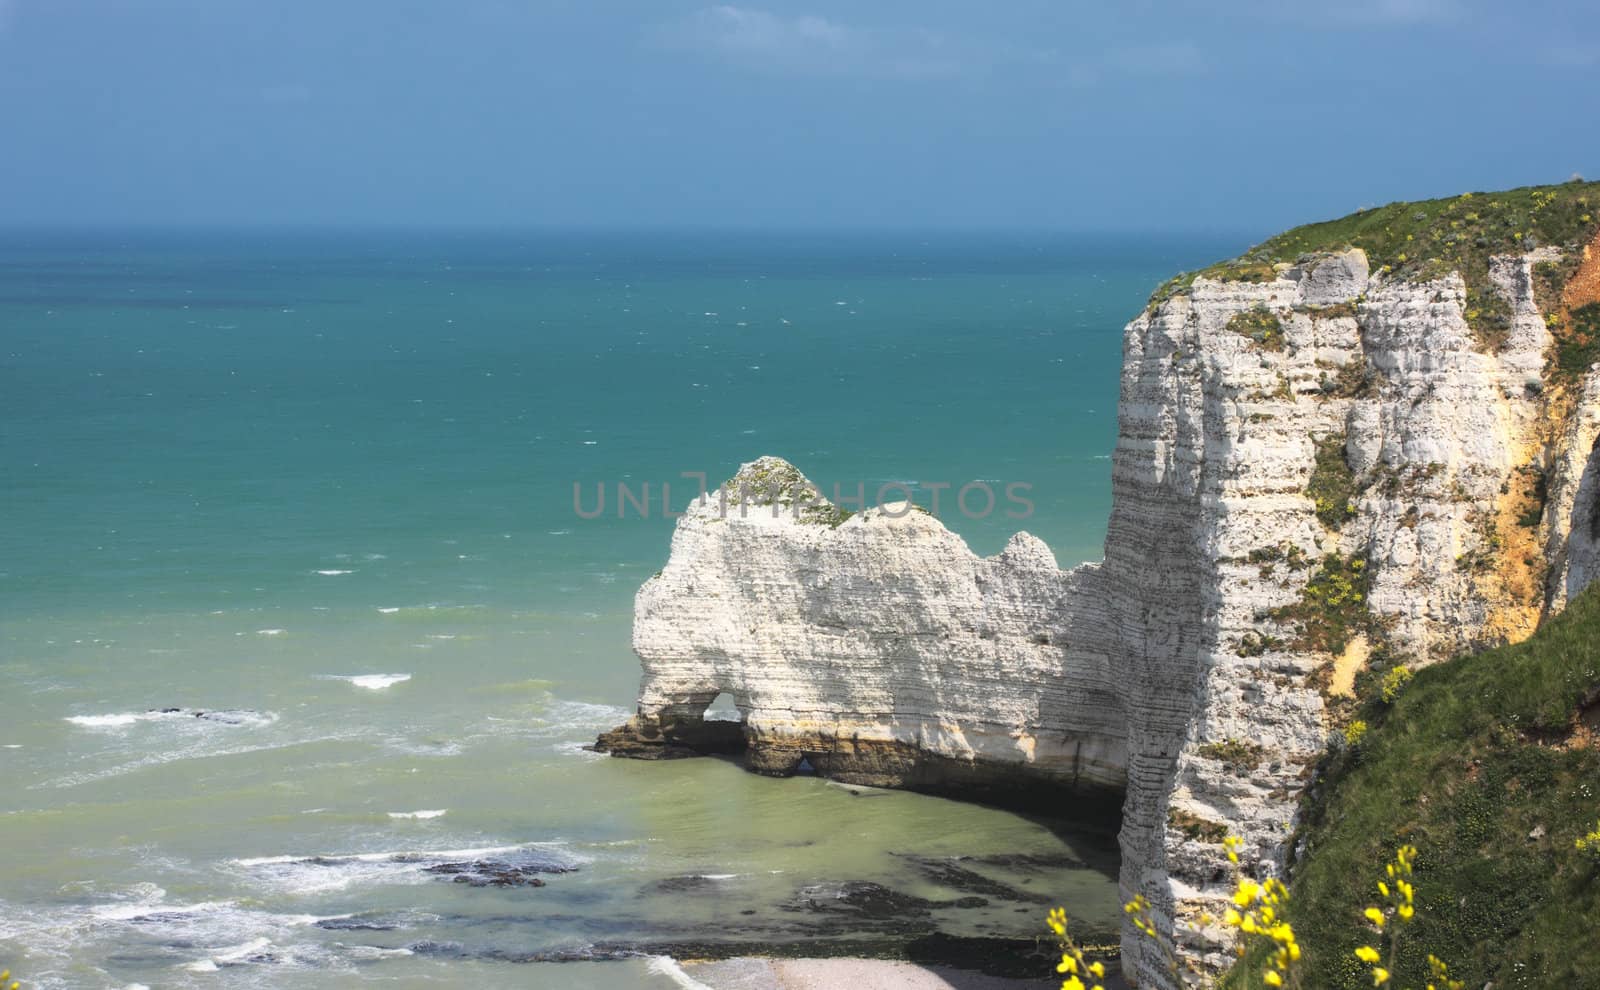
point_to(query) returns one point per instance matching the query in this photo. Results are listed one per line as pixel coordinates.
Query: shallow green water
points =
(240, 473)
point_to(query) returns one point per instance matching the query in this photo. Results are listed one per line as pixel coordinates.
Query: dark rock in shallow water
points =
(1030, 861)
(357, 924)
(508, 879)
(947, 874)
(863, 899)
(447, 950)
(691, 884)
(495, 873)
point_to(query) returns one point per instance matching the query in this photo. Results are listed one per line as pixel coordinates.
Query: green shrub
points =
(1579, 346)
(1195, 827)
(1237, 752)
(1332, 608)
(1333, 484)
(1260, 325)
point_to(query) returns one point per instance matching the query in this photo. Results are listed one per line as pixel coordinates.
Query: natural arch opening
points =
(723, 709)
(707, 722)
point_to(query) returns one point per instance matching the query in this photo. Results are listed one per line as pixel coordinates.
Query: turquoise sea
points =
(301, 637)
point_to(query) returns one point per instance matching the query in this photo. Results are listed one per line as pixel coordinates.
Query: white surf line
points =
(668, 967)
(371, 682)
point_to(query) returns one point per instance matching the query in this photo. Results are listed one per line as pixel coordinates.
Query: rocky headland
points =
(1366, 444)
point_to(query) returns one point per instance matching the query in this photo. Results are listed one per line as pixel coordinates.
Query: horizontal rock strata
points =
(878, 650)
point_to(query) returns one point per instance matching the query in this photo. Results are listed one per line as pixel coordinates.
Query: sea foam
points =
(371, 682)
(220, 716)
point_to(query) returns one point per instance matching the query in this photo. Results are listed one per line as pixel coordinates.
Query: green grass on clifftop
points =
(1486, 765)
(1430, 238)
(1433, 237)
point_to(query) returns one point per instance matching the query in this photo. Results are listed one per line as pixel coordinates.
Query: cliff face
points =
(1362, 486)
(1318, 472)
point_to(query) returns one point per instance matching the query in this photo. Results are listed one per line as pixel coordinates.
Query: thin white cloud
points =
(810, 45)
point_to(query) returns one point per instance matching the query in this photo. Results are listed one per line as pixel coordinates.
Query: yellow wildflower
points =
(1367, 954)
(1374, 915)
(1272, 979)
(1380, 976)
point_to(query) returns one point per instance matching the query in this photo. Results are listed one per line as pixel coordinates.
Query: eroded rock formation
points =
(836, 638)
(1313, 470)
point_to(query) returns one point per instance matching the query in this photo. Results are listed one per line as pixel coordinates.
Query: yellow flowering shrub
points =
(1355, 732)
(1073, 963)
(1589, 845)
(1393, 682)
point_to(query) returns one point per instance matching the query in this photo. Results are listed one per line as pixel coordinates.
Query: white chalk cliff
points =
(1189, 676)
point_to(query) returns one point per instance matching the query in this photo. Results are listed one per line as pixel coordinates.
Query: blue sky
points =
(1241, 116)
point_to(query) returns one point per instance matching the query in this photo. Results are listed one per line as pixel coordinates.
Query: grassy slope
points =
(1466, 765)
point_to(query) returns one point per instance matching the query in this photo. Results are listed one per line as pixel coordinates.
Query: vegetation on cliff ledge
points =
(1333, 485)
(1260, 325)
(1332, 608)
(1490, 765)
